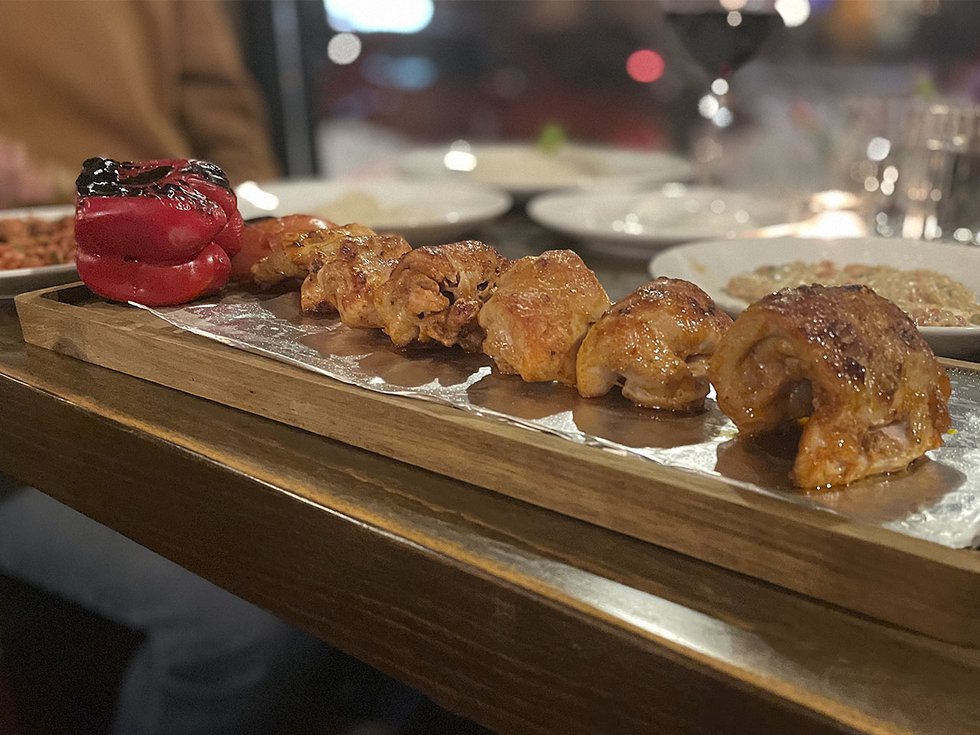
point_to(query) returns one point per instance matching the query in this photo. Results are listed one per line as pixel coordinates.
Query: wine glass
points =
(720, 36)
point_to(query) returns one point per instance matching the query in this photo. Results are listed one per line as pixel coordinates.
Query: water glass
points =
(917, 165)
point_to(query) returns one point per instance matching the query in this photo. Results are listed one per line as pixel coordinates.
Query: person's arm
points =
(23, 181)
(222, 109)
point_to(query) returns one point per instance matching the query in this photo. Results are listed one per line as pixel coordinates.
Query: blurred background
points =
(742, 86)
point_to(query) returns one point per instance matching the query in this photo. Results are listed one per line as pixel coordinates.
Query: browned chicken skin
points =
(345, 280)
(539, 315)
(849, 360)
(656, 342)
(292, 256)
(434, 293)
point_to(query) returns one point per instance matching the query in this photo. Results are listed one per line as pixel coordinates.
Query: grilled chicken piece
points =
(435, 293)
(344, 281)
(656, 342)
(260, 237)
(849, 362)
(292, 256)
(539, 315)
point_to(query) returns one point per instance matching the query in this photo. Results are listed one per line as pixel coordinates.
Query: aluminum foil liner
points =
(938, 499)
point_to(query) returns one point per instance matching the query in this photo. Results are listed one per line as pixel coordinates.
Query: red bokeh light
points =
(645, 65)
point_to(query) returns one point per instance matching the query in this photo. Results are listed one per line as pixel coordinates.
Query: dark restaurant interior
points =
(820, 107)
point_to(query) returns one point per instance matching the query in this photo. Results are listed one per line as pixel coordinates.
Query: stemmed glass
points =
(720, 36)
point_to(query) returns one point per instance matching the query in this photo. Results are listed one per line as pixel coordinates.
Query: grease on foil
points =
(937, 500)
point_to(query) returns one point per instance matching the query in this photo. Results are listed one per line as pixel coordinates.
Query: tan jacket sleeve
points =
(220, 104)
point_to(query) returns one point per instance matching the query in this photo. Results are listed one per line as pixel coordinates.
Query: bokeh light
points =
(379, 16)
(793, 12)
(344, 48)
(879, 148)
(459, 160)
(708, 106)
(645, 65)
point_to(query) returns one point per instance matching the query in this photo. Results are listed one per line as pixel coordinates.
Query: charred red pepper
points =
(155, 232)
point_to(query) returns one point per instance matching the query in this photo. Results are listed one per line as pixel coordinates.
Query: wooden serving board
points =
(901, 580)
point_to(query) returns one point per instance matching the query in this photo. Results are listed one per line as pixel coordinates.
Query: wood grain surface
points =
(905, 581)
(520, 618)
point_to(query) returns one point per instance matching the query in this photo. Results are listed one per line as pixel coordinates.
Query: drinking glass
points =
(917, 164)
(719, 36)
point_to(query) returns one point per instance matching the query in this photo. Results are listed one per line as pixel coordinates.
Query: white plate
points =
(712, 264)
(636, 223)
(424, 213)
(525, 170)
(19, 280)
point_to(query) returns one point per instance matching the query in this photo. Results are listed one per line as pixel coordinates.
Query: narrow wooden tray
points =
(904, 581)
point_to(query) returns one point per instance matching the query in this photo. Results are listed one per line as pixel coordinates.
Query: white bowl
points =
(712, 264)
